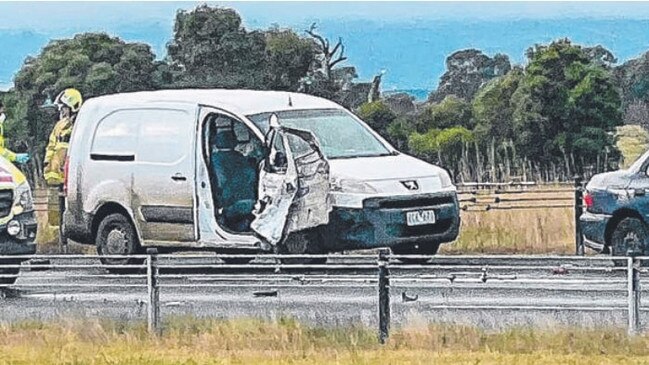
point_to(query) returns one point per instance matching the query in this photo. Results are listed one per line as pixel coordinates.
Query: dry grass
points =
(528, 231)
(190, 341)
(632, 141)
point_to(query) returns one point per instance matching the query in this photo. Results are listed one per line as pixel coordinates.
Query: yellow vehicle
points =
(17, 221)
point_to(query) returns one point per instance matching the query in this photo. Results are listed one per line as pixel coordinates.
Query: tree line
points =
(487, 121)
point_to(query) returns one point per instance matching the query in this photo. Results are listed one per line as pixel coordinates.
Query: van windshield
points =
(339, 134)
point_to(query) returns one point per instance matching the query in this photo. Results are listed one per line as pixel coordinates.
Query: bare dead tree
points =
(330, 56)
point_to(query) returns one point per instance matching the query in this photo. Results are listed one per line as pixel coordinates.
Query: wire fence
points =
(512, 196)
(612, 283)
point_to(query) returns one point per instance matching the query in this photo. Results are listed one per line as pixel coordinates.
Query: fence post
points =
(153, 309)
(633, 295)
(384, 296)
(579, 204)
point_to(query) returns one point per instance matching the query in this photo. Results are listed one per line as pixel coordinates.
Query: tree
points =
(211, 48)
(329, 56)
(289, 58)
(94, 63)
(451, 112)
(377, 115)
(466, 71)
(445, 147)
(493, 108)
(565, 105)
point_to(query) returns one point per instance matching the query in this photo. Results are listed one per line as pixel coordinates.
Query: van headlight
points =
(445, 179)
(351, 187)
(23, 197)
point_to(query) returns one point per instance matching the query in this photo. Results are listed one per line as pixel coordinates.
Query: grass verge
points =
(192, 341)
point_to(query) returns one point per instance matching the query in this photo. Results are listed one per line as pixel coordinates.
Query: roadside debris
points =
(561, 270)
(406, 298)
(269, 293)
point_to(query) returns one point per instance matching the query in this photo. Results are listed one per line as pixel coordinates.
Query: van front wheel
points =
(426, 248)
(115, 237)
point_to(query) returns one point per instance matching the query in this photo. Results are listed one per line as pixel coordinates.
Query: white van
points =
(241, 170)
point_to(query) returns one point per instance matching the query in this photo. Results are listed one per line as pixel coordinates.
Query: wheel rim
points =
(117, 242)
(632, 243)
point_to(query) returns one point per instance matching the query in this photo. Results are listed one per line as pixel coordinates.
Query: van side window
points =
(164, 136)
(115, 135)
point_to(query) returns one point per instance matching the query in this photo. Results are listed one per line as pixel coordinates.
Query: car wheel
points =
(424, 248)
(302, 243)
(116, 236)
(8, 274)
(629, 238)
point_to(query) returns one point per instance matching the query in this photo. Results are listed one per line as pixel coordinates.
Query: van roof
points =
(244, 102)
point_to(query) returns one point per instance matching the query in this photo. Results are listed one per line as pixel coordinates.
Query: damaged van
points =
(246, 171)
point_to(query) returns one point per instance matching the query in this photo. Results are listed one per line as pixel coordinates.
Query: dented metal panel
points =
(297, 198)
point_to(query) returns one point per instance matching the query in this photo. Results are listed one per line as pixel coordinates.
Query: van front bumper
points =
(593, 229)
(382, 222)
(23, 243)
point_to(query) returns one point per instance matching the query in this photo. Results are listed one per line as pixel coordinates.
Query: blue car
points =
(617, 211)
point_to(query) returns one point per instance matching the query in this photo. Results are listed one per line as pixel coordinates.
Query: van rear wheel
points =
(116, 236)
(306, 242)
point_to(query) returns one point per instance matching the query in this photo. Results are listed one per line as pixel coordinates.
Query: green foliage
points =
(493, 108)
(94, 63)
(211, 48)
(450, 112)
(377, 115)
(289, 58)
(440, 140)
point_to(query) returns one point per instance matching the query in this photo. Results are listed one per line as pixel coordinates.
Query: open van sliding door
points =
(293, 186)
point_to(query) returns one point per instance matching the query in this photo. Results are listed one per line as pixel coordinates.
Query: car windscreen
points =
(340, 135)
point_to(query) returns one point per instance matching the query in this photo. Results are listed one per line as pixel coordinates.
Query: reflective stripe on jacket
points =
(5, 152)
(56, 150)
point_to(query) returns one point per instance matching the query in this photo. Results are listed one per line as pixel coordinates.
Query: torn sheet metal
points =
(299, 198)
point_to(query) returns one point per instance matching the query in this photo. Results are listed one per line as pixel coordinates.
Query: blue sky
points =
(409, 40)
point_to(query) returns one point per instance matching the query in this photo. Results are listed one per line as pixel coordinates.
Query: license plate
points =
(420, 217)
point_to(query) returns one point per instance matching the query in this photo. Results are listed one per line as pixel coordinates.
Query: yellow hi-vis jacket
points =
(57, 148)
(5, 152)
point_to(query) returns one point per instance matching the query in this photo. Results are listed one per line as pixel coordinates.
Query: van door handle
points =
(178, 177)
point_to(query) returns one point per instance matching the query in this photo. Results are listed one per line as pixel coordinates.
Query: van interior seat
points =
(236, 181)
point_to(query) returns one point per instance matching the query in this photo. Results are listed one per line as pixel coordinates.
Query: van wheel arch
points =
(106, 210)
(618, 216)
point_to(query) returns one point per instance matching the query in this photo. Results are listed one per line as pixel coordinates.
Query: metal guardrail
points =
(155, 273)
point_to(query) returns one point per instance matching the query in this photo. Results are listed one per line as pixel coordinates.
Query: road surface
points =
(532, 292)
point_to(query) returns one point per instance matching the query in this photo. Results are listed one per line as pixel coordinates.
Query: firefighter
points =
(20, 158)
(68, 102)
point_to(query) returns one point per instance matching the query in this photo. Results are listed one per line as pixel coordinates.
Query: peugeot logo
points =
(410, 184)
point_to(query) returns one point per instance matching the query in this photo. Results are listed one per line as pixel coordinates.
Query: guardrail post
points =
(633, 295)
(579, 202)
(384, 296)
(153, 309)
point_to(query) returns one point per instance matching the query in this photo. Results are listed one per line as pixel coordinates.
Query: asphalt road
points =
(519, 293)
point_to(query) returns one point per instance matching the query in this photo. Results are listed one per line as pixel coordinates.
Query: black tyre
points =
(426, 248)
(116, 236)
(307, 242)
(629, 238)
(8, 274)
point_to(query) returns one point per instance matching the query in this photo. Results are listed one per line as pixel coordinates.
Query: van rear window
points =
(146, 135)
